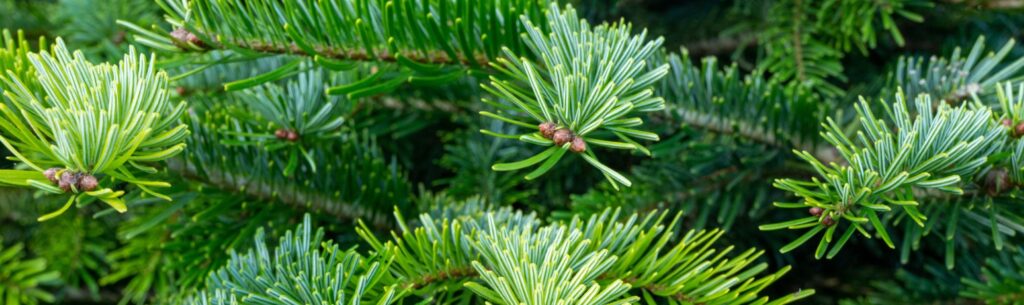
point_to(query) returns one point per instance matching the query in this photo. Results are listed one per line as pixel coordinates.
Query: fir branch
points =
(724, 101)
(87, 125)
(958, 77)
(489, 242)
(938, 150)
(14, 59)
(433, 32)
(301, 270)
(292, 195)
(577, 101)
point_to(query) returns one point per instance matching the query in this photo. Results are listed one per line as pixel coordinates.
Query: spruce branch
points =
(795, 54)
(804, 41)
(97, 33)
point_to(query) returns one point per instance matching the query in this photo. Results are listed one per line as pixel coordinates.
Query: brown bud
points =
(118, 37)
(816, 211)
(547, 129)
(292, 136)
(67, 180)
(51, 174)
(1019, 129)
(578, 145)
(828, 221)
(182, 37)
(281, 134)
(562, 136)
(181, 91)
(1007, 122)
(87, 183)
(996, 181)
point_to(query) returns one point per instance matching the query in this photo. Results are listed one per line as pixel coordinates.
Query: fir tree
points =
(511, 152)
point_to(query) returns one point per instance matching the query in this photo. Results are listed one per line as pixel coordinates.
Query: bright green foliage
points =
(94, 119)
(549, 266)
(640, 257)
(937, 150)
(300, 270)
(589, 81)
(14, 59)
(20, 278)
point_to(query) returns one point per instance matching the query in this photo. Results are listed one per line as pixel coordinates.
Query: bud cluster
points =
(286, 135)
(561, 136)
(66, 179)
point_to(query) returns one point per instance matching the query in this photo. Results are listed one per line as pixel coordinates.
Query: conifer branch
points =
(79, 126)
(486, 239)
(576, 102)
(957, 77)
(292, 195)
(425, 33)
(724, 101)
(938, 150)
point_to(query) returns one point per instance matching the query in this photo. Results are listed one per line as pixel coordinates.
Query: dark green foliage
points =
(78, 248)
(98, 29)
(1001, 280)
(21, 279)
